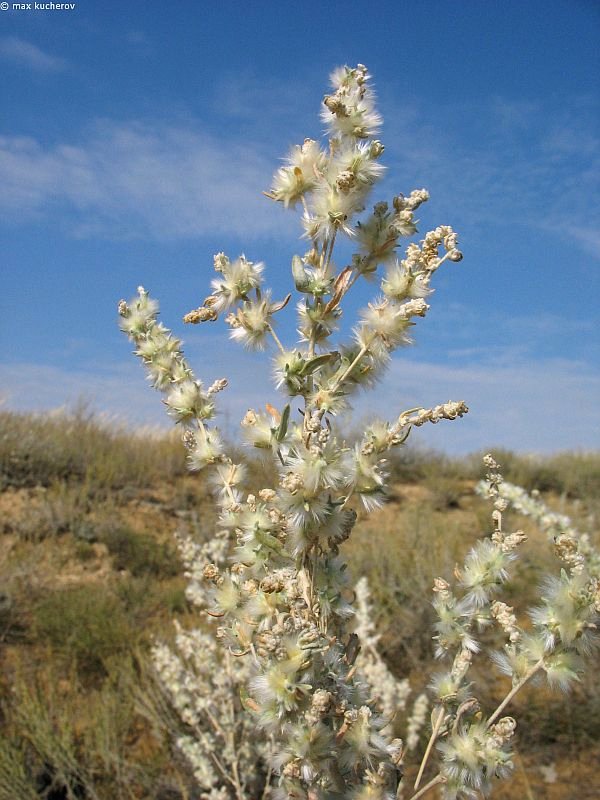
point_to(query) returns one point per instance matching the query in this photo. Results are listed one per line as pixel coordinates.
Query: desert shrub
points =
(84, 551)
(86, 624)
(64, 741)
(445, 493)
(50, 512)
(12, 619)
(401, 553)
(140, 553)
(274, 575)
(412, 464)
(578, 474)
(175, 600)
(15, 783)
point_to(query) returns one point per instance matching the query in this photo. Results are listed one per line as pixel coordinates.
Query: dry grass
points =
(39, 450)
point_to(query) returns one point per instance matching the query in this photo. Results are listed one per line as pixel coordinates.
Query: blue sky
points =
(136, 138)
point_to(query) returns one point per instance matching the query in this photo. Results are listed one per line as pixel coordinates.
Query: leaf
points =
(283, 425)
(340, 287)
(267, 540)
(300, 275)
(352, 649)
(275, 307)
(318, 361)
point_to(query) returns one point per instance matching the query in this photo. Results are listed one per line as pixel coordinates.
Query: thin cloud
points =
(533, 405)
(125, 180)
(525, 165)
(138, 38)
(588, 239)
(537, 405)
(25, 54)
(529, 166)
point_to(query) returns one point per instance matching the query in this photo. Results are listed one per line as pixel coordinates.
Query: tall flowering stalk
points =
(282, 599)
(390, 692)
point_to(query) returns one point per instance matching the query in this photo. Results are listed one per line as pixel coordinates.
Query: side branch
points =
(419, 416)
(516, 688)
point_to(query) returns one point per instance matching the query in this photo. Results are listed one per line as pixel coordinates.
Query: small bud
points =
(201, 314)
(250, 418)
(376, 149)
(210, 572)
(221, 262)
(218, 386)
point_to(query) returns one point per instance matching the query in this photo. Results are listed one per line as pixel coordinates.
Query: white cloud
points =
(529, 405)
(131, 179)
(525, 165)
(25, 54)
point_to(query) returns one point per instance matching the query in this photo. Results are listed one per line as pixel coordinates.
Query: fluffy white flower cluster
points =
(572, 546)
(416, 721)
(274, 578)
(203, 682)
(390, 692)
(563, 633)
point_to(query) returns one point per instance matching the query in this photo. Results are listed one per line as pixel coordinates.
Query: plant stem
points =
(516, 688)
(430, 743)
(276, 338)
(237, 783)
(305, 207)
(323, 252)
(363, 350)
(432, 783)
(351, 282)
(439, 264)
(528, 791)
(330, 253)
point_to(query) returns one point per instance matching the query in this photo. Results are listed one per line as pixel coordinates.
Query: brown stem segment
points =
(430, 743)
(516, 688)
(428, 786)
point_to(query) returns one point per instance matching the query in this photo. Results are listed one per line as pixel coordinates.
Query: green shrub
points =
(174, 599)
(84, 551)
(139, 553)
(64, 741)
(85, 624)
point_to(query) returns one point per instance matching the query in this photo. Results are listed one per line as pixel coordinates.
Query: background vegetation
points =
(89, 575)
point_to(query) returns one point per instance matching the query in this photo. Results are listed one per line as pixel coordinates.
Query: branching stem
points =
(516, 688)
(362, 352)
(428, 786)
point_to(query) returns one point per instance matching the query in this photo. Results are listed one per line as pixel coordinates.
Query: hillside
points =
(90, 577)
